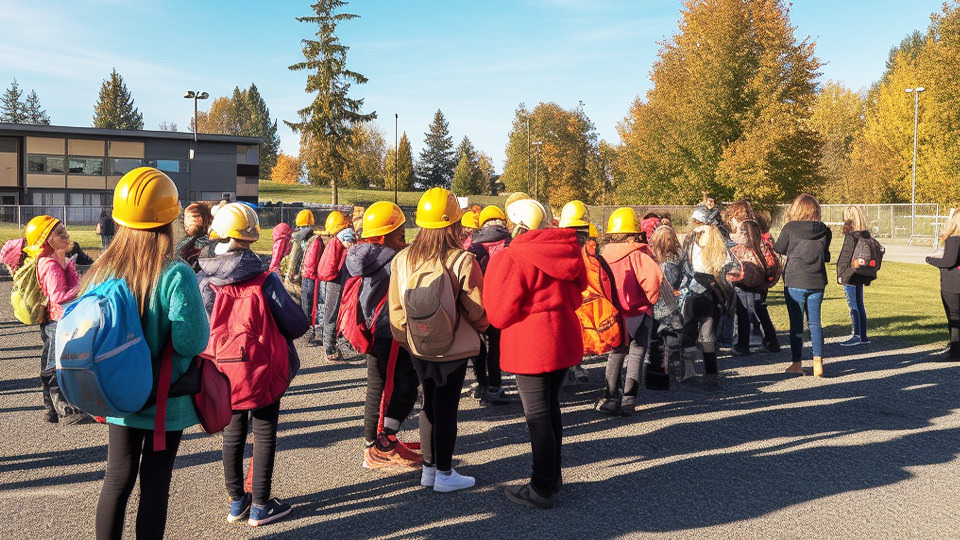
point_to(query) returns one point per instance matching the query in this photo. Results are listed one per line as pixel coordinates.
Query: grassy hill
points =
(270, 191)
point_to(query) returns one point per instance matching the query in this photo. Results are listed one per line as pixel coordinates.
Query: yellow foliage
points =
(287, 170)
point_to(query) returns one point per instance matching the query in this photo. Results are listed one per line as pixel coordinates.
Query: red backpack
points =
(350, 320)
(247, 345)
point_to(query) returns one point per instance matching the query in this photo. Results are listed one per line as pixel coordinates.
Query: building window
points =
(40, 164)
(121, 166)
(49, 199)
(171, 165)
(89, 166)
(85, 199)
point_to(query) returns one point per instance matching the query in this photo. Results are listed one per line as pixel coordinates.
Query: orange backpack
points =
(599, 318)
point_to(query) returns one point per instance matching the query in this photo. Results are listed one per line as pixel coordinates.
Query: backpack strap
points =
(163, 388)
(614, 297)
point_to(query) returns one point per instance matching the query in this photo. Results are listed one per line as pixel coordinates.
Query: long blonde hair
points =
(434, 244)
(853, 220)
(953, 225)
(138, 256)
(804, 208)
(713, 248)
(664, 243)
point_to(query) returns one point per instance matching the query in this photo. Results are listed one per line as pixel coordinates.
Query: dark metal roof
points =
(100, 133)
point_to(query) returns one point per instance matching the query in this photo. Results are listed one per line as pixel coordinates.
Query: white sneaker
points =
(445, 483)
(428, 476)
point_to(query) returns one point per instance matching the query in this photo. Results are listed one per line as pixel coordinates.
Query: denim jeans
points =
(858, 315)
(799, 301)
(307, 287)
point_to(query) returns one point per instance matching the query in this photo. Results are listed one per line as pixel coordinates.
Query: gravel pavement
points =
(867, 452)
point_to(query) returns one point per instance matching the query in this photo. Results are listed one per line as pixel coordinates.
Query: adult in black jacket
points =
(854, 230)
(950, 281)
(805, 240)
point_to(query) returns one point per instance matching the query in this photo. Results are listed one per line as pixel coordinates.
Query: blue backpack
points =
(104, 365)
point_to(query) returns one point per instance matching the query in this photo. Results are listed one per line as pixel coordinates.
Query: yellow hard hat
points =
(438, 208)
(145, 198)
(518, 196)
(491, 212)
(38, 229)
(237, 221)
(469, 220)
(304, 218)
(381, 218)
(593, 232)
(574, 214)
(335, 223)
(527, 213)
(623, 221)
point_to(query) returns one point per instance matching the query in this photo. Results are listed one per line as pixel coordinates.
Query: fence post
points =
(19, 216)
(893, 224)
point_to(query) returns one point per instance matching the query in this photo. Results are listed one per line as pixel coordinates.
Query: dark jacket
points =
(949, 273)
(188, 250)
(372, 261)
(807, 247)
(241, 265)
(845, 275)
(482, 239)
(535, 288)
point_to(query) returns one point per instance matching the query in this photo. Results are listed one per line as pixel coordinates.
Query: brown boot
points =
(795, 367)
(817, 366)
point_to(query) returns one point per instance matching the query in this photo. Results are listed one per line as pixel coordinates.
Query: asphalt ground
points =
(867, 452)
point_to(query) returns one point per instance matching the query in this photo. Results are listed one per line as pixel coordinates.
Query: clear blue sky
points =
(476, 61)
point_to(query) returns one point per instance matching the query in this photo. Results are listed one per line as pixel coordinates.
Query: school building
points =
(80, 166)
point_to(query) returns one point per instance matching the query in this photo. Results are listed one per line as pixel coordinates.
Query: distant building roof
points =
(41, 130)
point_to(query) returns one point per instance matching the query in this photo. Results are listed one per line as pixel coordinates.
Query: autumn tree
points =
(437, 159)
(329, 121)
(287, 170)
(244, 113)
(365, 166)
(728, 112)
(487, 171)
(839, 118)
(114, 108)
(548, 154)
(405, 175)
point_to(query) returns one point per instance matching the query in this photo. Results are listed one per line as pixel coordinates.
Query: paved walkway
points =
(869, 452)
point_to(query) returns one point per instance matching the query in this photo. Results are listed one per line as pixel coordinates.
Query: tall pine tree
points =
(404, 176)
(114, 108)
(437, 159)
(467, 176)
(260, 125)
(12, 108)
(35, 112)
(329, 122)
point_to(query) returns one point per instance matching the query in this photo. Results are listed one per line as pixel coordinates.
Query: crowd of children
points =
(421, 314)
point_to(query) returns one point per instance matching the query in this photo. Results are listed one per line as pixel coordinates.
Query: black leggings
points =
(404, 394)
(700, 316)
(130, 450)
(264, 428)
(540, 395)
(951, 306)
(486, 367)
(438, 419)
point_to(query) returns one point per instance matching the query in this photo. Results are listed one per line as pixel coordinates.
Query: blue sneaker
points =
(268, 513)
(239, 508)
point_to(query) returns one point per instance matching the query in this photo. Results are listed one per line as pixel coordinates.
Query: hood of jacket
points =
(493, 233)
(302, 234)
(808, 230)
(231, 267)
(554, 252)
(281, 231)
(621, 250)
(861, 234)
(365, 259)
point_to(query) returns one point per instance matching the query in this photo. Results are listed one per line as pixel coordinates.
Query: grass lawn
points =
(903, 304)
(289, 193)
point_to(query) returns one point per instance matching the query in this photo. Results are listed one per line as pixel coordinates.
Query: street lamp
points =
(913, 193)
(396, 156)
(536, 176)
(195, 95)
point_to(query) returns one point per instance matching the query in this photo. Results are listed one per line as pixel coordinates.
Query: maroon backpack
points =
(247, 345)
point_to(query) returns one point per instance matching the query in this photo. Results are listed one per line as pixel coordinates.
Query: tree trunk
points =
(335, 195)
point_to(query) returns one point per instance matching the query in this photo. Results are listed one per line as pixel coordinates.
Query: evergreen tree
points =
(437, 159)
(35, 113)
(12, 108)
(467, 176)
(328, 122)
(114, 108)
(405, 175)
(259, 124)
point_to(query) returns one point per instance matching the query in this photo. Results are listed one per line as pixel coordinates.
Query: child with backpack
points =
(540, 280)
(760, 270)
(667, 326)
(805, 240)
(281, 245)
(491, 239)
(196, 223)
(260, 361)
(949, 265)
(387, 403)
(469, 224)
(145, 204)
(46, 281)
(311, 291)
(331, 272)
(637, 278)
(856, 238)
(293, 275)
(436, 313)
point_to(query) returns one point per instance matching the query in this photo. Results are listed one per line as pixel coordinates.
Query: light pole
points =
(195, 95)
(913, 192)
(536, 176)
(396, 156)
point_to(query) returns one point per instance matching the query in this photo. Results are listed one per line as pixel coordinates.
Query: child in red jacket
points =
(637, 278)
(331, 272)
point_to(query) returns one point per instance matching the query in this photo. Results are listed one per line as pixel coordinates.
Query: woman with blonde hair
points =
(854, 231)
(950, 281)
(805, 240)
(439, 357)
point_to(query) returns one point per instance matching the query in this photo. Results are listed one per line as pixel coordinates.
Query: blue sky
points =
(476, 61)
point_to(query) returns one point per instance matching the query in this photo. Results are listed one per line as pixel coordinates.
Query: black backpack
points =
(867, 257)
